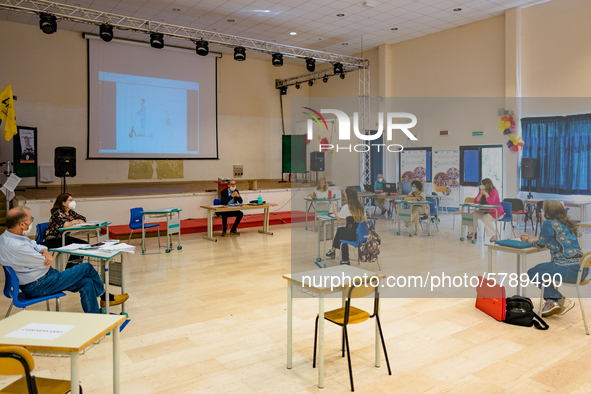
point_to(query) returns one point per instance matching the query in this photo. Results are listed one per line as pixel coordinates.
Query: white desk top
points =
(85, 252)
(89, 327)
(338, 271)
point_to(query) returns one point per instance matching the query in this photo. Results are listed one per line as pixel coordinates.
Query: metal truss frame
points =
(122, 22)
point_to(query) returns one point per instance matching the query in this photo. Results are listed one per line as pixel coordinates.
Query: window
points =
(481, 161)
(561, 145)
(428, 152)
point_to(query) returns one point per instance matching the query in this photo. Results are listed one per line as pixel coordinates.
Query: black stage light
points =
(156, 40)
(239, 54)
(342, 76)
(47, 23)
(283, 90)
(325, 79)
(297, 85)
(277, 59)
(310, 64)
(106, 32)
(311, 82)
(338, 68)
(202, 48)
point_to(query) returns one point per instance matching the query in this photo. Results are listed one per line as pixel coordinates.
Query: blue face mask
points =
(414, 189)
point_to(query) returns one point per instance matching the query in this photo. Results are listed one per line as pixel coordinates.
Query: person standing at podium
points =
(231, 195)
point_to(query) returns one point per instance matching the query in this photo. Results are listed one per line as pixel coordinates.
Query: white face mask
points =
(482, 187)
(232, 188)
(28, 231)
(380, 179)
(72, 205)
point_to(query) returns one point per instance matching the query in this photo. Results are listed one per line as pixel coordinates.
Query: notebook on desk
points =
(513, 243)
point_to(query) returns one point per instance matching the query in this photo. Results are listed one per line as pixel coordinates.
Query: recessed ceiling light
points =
(231, 20)
(176, 9)
(394, 29)
(345, 43)
(340, 15)
(293, 33)
(457, 9)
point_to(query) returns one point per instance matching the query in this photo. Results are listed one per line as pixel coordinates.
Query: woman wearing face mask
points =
(488, 195)
(63, 216)
(416, 194)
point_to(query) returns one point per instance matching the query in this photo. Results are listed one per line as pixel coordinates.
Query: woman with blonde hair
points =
(417, 194)
(354, 213)
(559, 234)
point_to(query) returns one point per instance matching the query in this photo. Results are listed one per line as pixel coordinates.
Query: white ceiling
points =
(314, 21)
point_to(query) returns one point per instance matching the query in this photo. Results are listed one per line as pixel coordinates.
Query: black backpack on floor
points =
(520, 312)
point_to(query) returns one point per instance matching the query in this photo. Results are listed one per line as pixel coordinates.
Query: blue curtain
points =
(561, 144)
(377, 158)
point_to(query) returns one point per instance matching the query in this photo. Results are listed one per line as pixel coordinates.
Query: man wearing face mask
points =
(378, 188)
(230, 195)
(32, 265)
(63, 216)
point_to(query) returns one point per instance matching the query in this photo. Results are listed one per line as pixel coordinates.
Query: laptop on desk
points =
(389, 188)
(369, 188)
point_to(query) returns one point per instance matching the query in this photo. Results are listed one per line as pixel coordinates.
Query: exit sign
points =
(477, 133)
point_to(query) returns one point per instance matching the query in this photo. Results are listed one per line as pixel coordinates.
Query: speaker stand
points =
(529, 196)
(64, 188)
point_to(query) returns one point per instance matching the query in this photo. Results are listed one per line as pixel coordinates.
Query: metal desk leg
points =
(116, 366)
(179, 247)
(265, 229)
(107, 301)
(122, 284)
(74, 373)
(144, 235)
(289, 318)
(523, 269)
(321, 341)
(489, 260)
(209, 235)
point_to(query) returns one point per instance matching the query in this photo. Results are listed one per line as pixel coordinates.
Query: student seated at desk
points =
(32, 265)
(416, 194)
(488, 195)
(558, 234)
(321, 192)
(378, 188)
(230, 195)
(354, 213)
(63, 216)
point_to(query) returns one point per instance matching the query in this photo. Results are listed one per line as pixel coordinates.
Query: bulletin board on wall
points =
(25, 153)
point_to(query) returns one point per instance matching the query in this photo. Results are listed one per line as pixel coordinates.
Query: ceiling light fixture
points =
(340, 15)
(345, 43)
(394, 29)
(277, 59)
(239, 54)
(231, 20)
(202, 47)
(310, 64)
(311, 82)
(338, 68)
(106, 32)
(457, 9)
(325, 79)
(156, 40)
(48, 23)
(293, 33)
(342, 76)
(176, 9)
(283, 90)
(297, 85)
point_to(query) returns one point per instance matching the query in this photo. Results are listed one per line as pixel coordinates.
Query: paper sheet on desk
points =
(47, 332)
(116, 247)
(73, 247)
(87, 224)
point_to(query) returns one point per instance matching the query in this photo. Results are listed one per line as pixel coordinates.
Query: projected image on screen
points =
(136, 115)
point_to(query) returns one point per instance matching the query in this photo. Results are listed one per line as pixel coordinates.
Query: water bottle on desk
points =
(260, 200)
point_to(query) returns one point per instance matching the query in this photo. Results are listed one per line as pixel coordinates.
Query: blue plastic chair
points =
(508, 208)
(41, 230)
(362, 233)
(433, 212)
(135, 223)
(11, 290)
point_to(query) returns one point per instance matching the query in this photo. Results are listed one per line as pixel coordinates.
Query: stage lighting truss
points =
(122, 22)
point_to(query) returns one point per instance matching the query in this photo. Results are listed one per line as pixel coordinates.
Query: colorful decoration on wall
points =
(323, 144)
(506, 125)
(515, 143)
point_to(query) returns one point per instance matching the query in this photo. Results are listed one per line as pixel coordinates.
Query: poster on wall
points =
(413, 165)
(446, 178)
(27, 139)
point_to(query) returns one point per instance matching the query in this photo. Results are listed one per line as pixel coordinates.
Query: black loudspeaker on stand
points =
(317, 163)
(529, 171)
(65, 163)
